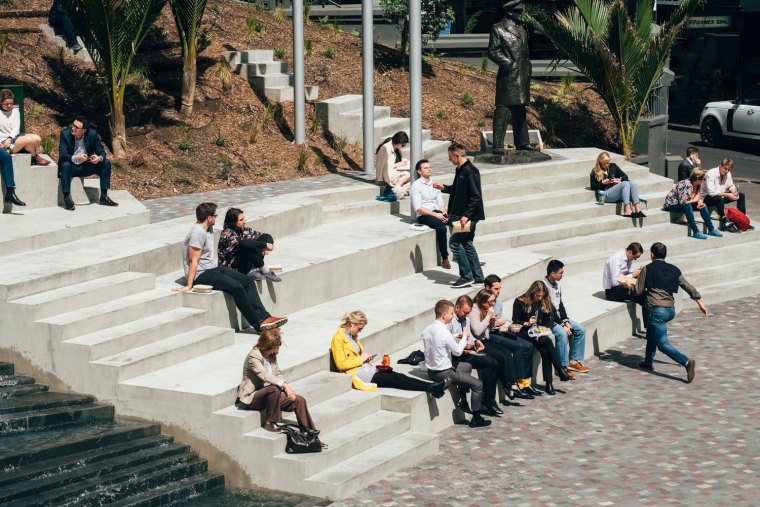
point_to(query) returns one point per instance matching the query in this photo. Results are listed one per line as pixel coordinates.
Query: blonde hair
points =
(598, 171)
(696, 174)
(355, 317)
(537, 286)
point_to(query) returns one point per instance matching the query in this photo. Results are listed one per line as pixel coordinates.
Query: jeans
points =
(6, 162)
(657, 336)
(626, 191)
(465, 254)
(579, 342)
(69, 171)
(440, 232)
(720, 202)
(688, 210)
(62, 23)
(241, 288)
(522, 352)
(250, 253)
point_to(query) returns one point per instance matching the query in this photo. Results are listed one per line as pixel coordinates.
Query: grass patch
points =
(484, 64)
(48, 144)
(329, 52)
(304, 156)
(308, 45)
(184, 181)
(252, 26)
(223, 71)
(184, 145)
(279, 53)
(182, 164)
(253, 133)
(466, 100)
(441, 115)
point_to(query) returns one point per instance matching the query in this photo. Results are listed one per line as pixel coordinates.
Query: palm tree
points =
(112, 31)
(617, 46)
(188, 15)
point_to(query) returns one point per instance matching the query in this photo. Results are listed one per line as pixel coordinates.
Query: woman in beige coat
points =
(263, 386)
(390, 168)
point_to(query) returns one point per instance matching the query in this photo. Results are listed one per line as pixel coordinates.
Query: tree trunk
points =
(189, 73)
(118, 133)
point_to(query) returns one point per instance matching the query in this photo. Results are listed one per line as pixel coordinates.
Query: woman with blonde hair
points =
(609, 178)
(264, 388)
(685, 197)
(11, 137)
(350, 358)
(390, 167)
(533, 310)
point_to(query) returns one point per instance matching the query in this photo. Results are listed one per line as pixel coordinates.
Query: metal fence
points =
(656, 103)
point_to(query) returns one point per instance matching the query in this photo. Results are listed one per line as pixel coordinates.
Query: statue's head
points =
(514, 8)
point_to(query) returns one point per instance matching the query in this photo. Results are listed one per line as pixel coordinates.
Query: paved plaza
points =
(618, 436)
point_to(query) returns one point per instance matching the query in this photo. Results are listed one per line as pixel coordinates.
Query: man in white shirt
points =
(619, 263)
(429, 208)
(440, 345)
(719, 189)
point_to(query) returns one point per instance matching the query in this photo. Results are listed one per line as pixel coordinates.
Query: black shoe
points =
(523, 394)
(106, 201)
(510, 393)
(76, 48)
(550, 389)
(646, 366)
(638, 214)
(490, 412)
(690, 366)
(437, 389)
(722, 224)
(68, 203)
(494, 407)
(462, 282)
(563, 376)
(532, 390)
(527, 147)
(479, 421)
(464, 406)
(11, 197)
(478, 281)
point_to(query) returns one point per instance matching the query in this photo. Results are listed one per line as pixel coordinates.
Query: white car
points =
(739, 118)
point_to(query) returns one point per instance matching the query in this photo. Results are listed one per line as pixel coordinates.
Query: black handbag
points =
(301, 441)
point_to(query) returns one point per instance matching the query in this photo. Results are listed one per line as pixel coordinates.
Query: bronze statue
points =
(508, 48)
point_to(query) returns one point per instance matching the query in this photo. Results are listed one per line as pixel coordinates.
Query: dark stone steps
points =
(83, 472)
(25, 448)
(204, 484)
(6, 368)
(14, 380)
(120, 484)
(38, 420)
(21, 390)
(42, 401)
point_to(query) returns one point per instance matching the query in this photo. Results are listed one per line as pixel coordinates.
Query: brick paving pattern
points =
(618, 436)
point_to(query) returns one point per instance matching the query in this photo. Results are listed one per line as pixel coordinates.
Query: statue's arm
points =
(496, 51)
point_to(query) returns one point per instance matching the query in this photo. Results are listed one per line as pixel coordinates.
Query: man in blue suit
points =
(80, 153)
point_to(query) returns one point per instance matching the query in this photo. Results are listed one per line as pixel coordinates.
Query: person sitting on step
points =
(11, 137)
(80, 153)
(349, 357)
(243, 249)
(390, 167)
(6, 169)
(199, 261)
(619, 263)
(533, 310)
(718, 190)
(427, 203)
(440, 345)
(685, 197)
(264, 388)
(609, 178)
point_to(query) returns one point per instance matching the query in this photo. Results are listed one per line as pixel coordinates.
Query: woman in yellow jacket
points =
(350, 358)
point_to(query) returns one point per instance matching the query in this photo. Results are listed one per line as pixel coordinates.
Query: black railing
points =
(656, 104)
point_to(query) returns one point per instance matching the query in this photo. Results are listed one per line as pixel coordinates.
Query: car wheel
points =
(711, 133)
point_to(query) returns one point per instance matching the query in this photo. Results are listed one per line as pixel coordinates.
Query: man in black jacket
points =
(465, 209)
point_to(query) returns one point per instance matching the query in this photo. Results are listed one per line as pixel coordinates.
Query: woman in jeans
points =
(534, 308)
(610, 179)
(243, 249)
(685, 197)
(350, 358)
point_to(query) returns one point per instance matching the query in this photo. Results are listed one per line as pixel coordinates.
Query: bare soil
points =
(229, 141)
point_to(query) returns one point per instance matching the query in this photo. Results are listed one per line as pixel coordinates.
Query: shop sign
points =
(708, 22)
(668, 2)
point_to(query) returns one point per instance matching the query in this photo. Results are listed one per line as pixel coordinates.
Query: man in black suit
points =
(80, 153)
(690, 162)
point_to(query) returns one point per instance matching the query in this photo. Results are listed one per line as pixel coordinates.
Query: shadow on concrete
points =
(632, 361)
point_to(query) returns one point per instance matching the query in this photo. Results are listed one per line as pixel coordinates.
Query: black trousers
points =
(549, 356)
(620, 293)
(250, 253)
(486, 366)
(440, 232)
(522, 352)
(241, 288)
(719, 202)
(503, 356)
(399, 381)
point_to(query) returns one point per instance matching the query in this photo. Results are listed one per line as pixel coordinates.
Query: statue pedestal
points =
(513, 157)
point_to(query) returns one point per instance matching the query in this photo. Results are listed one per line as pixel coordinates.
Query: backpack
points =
(738, 218)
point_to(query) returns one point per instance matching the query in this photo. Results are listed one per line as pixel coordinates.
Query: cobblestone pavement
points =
(618, 436)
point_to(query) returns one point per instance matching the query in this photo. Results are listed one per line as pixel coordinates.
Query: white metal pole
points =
(299, 98)
(368, 87)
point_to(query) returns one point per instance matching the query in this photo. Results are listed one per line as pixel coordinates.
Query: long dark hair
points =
(399, 137)
(231, 218)
(480, 298)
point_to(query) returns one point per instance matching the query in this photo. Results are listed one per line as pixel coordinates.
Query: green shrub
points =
(466, 100)
(220, 141)
(279, 15)
(3, 42)
(441, 115)
(481, 123)
(340, 146)
(182, 164)
(223, 71)
(36, 109)
(306, 11)
(303, 159)
(329, 52)
(316, 123)
(253, 26)
(279, 53)
(184, 181)
(253, 133)
(214, 7)
(185, 145)
(308, 45)
(48, 144)
(484, 64)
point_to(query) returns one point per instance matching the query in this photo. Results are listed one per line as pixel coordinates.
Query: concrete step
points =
(110, 370)
(358, 114)
(348, 440)
(85, 294)
(21, 390)
(43, 419)
(59, 41)
(206, 484)
(336, 412)
(285, 93)
(363, 209)
(249, 70)
(136, 333)
(371, 465)
(111, 313)
(386, 127)
(249, 56)
(273, 80)
(430, 147)
(9, 380)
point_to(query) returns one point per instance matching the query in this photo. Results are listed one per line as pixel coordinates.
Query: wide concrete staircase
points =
(97, 311)
(57, 39)
(267, 76)
(343, 116)
(65, 449)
